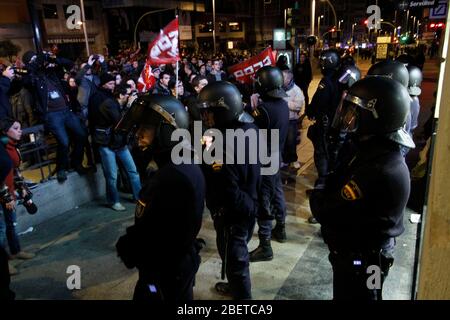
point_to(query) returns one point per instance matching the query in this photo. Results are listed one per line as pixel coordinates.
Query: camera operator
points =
(88, 81)
(53, 108)
(10, 135)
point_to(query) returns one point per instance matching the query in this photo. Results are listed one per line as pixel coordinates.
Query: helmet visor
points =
(346, 116)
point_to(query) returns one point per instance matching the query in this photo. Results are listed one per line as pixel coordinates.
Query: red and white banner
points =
(164, 48)
(146, 80)
(245, 70)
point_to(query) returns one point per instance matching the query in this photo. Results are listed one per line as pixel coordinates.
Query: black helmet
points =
(269, 82)
(406, 59)
(329, 60)
(347, 60)
(375, 106)
(349, 74)
(165, 113)
(391, 69)
(225, 101)
(415, 81)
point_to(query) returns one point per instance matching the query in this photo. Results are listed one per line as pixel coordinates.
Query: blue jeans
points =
(109, 165)
(60, 123)
(8, 231)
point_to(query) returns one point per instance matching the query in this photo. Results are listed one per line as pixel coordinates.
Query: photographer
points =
(113, 145)
(11, 133)
(88, 81)
(52, 107)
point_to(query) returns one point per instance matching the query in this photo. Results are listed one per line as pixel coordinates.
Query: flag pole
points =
(176, 81)
(178, 43)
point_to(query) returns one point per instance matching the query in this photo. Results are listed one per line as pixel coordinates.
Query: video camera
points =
(19, 71)
(21, 186)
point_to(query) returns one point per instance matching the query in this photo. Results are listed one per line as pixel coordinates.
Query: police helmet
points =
(415, 81)
(164, 113)
(406, 59)
(375, 106)
(348, 60)
(391, 69)
(329, 60)
(269, 82)
(224, 100)
(349, 74)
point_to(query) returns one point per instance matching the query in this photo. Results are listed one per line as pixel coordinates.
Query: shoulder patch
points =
(351, 191)
(217, 166)
(140, 208)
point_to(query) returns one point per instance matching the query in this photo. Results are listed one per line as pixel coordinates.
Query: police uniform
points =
(361, 213)
(322, 108)
(361, 207)
(162, 242)
(273, 114)
(272, 194)
(232, 188)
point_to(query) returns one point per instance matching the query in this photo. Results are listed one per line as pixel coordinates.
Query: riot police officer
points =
(340, 147)
(361, 208)
(232, 187)
(273, 114)
(390, 69)
(171, 201)
(322, 109)
(398, 70)
(414, 89)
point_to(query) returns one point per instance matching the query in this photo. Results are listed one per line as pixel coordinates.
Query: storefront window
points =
(235, 26)
(206, 27)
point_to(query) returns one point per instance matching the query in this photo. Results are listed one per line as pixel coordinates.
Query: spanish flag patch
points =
(351, 191)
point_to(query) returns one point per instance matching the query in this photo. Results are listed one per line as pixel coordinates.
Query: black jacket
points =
(159, 89)
(5, 104)
(303, 74)
(278, 113)
(326, 98)
(234, 187)
(362, 206)
(37, 81)
(97, 99)
(168, 219)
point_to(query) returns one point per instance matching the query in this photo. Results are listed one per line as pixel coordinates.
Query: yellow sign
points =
(382, 50)
(384, 39)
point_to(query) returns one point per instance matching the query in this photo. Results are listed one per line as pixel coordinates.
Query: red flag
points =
(164, 48)
(245, 70)
(146, 80)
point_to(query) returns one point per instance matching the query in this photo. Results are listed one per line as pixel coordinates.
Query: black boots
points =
(279, 233)
(263, 252)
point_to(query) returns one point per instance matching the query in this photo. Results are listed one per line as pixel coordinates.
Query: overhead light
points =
(233, 24)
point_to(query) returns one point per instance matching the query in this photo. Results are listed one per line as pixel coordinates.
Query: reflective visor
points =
(348, 76)
(346, 117)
